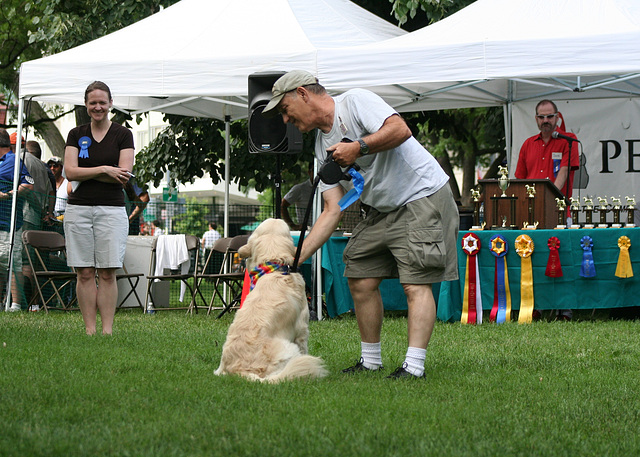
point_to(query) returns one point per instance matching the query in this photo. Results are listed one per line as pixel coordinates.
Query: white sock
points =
(414, 361)
(371, 355)
(15, 305)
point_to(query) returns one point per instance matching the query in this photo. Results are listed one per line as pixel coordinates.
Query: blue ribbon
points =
(84, 144)
(501, 285)
(353, 194)
(588, 268)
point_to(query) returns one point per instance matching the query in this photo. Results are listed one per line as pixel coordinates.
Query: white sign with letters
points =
(609, 134)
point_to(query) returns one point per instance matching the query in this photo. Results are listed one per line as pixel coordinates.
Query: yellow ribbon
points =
(624, 269)
(524, 248)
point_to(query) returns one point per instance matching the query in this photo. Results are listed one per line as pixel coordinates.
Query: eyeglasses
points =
(542, 117)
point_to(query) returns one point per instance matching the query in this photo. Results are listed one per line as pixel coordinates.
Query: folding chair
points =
(47, 256)
(187, 278)
(133, 279)
(226, 278)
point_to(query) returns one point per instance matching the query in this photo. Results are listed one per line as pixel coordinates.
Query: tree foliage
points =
(191, 147)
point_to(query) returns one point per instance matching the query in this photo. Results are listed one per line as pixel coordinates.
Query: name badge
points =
(556, 155)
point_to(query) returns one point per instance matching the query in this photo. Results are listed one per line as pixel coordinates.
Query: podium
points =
(545, 208)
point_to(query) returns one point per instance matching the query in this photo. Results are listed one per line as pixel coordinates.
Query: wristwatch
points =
(364, 149)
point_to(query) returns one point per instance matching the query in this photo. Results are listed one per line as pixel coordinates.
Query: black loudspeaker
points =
(269, 134)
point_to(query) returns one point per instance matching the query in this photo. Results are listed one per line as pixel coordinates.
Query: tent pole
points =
(227, 171)
(508, 124)
(14, 206)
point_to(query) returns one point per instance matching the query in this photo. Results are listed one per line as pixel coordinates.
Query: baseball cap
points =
(286, 83)
(14, 136)
(54, 161)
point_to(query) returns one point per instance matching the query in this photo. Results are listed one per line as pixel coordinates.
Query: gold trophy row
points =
(603, 207)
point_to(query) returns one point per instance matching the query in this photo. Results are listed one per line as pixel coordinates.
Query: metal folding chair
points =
(227, 278)
(133, 279)
(47, 256)
(189, 279)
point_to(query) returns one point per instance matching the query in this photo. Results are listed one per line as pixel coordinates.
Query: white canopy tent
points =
(194, 58)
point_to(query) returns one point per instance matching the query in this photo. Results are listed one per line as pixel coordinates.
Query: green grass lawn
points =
(546, 389)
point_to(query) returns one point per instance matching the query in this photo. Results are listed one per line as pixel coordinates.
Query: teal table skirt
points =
(570, 291)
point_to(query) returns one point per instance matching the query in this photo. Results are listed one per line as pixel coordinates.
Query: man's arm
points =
(284, 213)
(561, 179)
(393, 133)
(325, 224)
(140, 205)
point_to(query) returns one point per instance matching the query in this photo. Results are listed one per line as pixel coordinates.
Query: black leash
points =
(330, 173)
(305, 222)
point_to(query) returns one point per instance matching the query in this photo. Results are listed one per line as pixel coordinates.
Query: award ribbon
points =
(84, 144)
(501, 311)
(624, 269)
(588, 268)
(353, 194)
(472, 301)
(524, 248)
(554, 269)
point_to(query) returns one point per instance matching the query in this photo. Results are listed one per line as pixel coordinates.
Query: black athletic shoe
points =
(401, 372)
(359, 367)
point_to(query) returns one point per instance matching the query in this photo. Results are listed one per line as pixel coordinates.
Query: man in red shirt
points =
(543, 156)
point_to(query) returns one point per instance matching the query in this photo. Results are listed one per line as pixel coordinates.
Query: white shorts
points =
(96, 236)
(17, 251)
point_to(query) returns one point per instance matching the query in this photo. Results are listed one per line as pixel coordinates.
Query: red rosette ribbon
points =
(472, 302)
(554, 269)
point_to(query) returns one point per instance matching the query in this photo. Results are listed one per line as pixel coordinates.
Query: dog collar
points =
(264, 268)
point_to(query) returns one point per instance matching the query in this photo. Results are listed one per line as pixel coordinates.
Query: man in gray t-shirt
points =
(410, 231)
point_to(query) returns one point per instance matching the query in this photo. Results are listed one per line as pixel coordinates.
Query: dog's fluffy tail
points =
(299, 367)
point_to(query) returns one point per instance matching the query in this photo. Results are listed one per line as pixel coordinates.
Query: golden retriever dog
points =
(267, 340)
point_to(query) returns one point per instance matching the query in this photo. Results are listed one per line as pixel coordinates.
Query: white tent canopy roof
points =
(194, 57)
(499, 51)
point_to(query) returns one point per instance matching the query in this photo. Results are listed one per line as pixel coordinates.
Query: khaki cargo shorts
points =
(417, 243)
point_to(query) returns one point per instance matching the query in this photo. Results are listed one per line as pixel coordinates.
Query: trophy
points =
(631, 206)
(588, 212)
(575, 211)
(603, 209)
(475, 195)
(503, 180)
(562, 213)
(531, 194)
(503, 183)
(617, 206)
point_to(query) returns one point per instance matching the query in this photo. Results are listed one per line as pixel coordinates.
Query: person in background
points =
(542, 156)
(138, 198)
(411, 227)
(208, 240)
(38, 207)
(299, 196)
(25, 183)
(156, 228)
(98, 159)
(56, 166)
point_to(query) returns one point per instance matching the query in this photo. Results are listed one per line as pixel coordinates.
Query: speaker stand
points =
(278, 187)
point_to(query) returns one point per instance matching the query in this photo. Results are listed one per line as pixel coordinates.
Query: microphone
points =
(556, 134)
